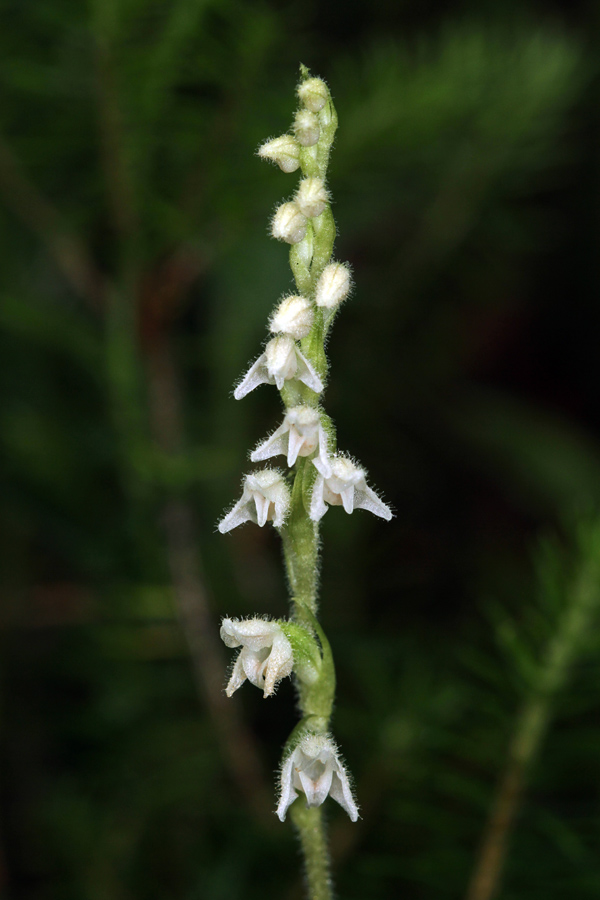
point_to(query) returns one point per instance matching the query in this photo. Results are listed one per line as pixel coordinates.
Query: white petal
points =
(316, 791)
(274, 445)
(347, 496)
(288, 794)
(253, 633)
(365, 498)
(318, 507)
(262, 509)
(295, 443)
(324, 466)
(307, 374)
(340, 791)
(254, 666)
(241, 512)
(238, 676)
(229, 633)
(256, 374)
(279, 663)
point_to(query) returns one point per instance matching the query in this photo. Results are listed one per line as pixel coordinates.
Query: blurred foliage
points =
(136, 279)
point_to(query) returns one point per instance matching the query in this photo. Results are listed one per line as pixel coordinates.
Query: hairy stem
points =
(311, 832)
(301, 535)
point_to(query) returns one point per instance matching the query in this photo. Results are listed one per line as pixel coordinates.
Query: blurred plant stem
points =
(532, 724)
(192, 597)
(39, 215)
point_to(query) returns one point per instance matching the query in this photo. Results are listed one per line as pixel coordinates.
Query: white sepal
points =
(300, 434)
(266, 655)
(306, 128)
(313, 94)
(311, 197)
(314, 769)
(284, 151)
(333, 286)
(265, 498)
(293, 316)
(345, 485)
(288, 223)
(281, 361)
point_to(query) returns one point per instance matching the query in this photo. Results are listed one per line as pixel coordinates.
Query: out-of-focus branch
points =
(193, 601)
(38, 214)
(531, 728)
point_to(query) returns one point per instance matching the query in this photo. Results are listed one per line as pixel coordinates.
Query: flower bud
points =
(283, 150)
(333, 286)
(293, 316)
(306, 128)
(311, 197)
(313, 94)
(288, 224)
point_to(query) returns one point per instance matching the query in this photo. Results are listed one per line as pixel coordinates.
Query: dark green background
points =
(136, 279)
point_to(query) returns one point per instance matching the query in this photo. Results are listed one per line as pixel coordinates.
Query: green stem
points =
(301, 545)
(311, 832)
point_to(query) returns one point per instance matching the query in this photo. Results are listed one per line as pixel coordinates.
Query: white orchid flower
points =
(265, 498)
(281, 361)
(300, 434)
(344, 484)
(314, 769)
(266, 655)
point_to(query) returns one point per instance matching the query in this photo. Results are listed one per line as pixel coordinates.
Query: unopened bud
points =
(311, 197)
(283, 150)
(306, 128)
(293, 316)
(288, 224)
(313, 94)
(333, 286)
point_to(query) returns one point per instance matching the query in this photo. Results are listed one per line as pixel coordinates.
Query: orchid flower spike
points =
(281, 361)
(314, 769)
(345, 485)
(266, 655)
(265, 498)
(300, 434)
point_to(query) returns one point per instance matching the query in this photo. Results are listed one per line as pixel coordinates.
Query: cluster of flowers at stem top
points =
(295, 498)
